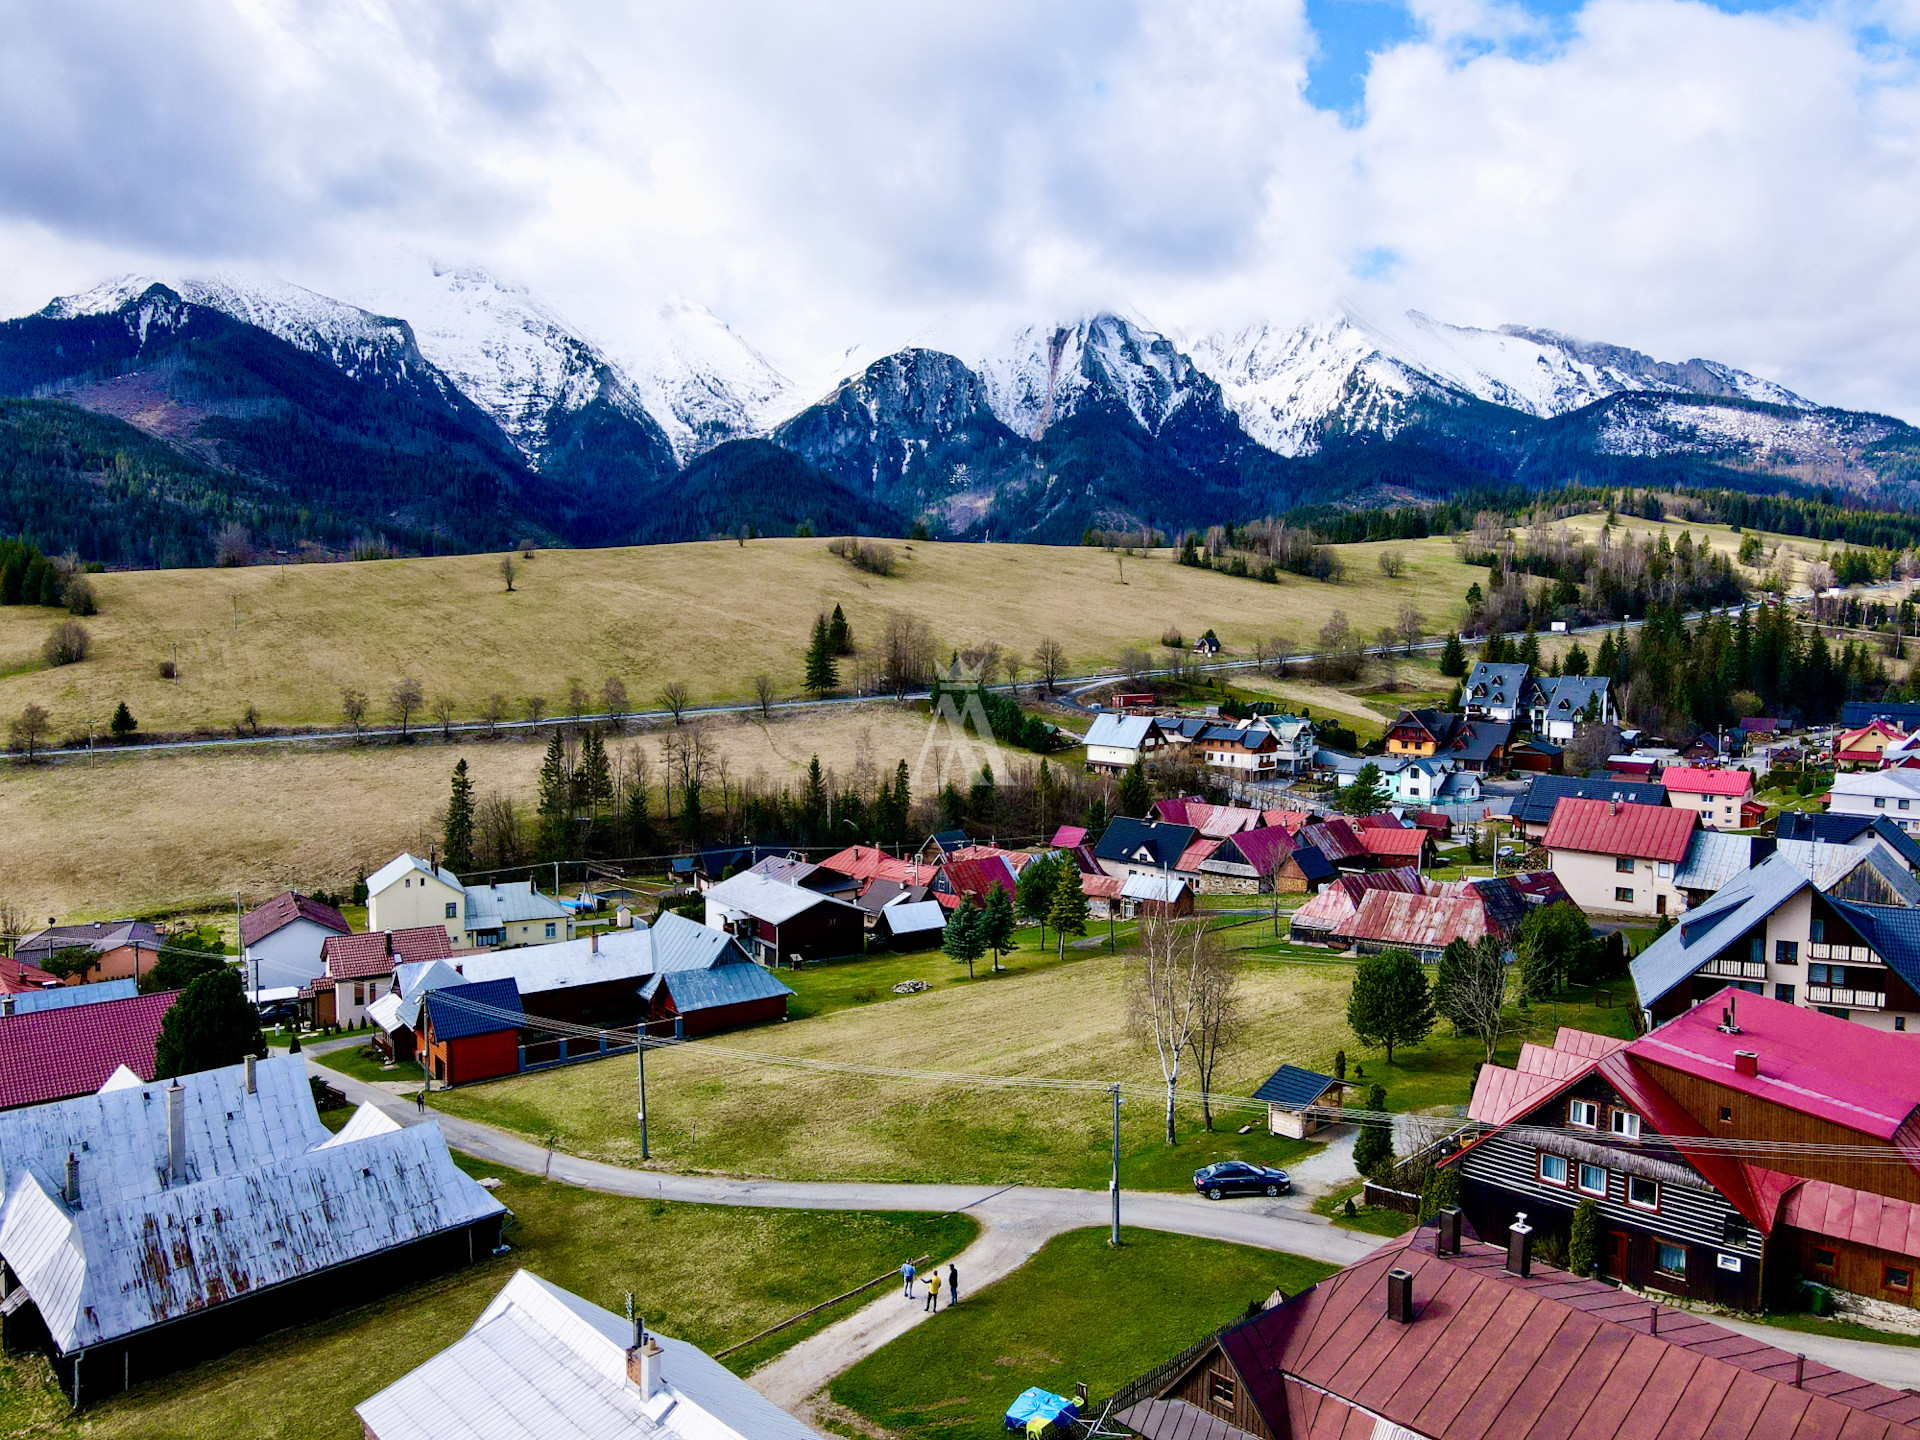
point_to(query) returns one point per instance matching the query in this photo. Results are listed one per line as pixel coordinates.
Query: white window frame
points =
(1576, 1109)
(1624, 1123)
(1580, 1179)
(1653, 1204)
(1540, 1170)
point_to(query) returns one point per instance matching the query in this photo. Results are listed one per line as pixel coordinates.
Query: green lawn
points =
(354, 1060)
(1838, 1329)
(1366, 1218)
(712, 1275)
(1077, 1312)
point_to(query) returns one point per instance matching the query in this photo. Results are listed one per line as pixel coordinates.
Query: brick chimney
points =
(593, 942)
(1746, 1062)
(70, 1192)
(643, 1365)
(1520, 1247)
(253, 1084)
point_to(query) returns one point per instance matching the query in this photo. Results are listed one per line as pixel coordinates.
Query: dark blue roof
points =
(1536, 806)
(1141, 842)
(1844, 830)
(474, 1009)
(1892, 931)
(951, 840)
(1292, 1088)
(723, 985)
(1856, 713)
(1313, 864)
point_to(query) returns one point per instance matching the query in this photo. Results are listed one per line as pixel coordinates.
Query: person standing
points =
(907, 1272)
(953, 1286)
(933, 1289)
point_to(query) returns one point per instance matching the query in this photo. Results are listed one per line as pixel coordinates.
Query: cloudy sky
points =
(1735, 181)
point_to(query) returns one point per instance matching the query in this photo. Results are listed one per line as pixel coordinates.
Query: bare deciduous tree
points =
(578, 698)
(1011, 665)
(494, 711)
(1476, 999)
(907, 653)
(26, 733)
(353, 705)
(404, 703)
(443, 712)
(1393, 564)
(1412, 626)
(508, 570)
(763, 696)
(500, 835)
(613, 698)
(1135, 664)
(533, 707)
(1164, 985)
(673, 699)
(1221, 1022)
(1049, 662)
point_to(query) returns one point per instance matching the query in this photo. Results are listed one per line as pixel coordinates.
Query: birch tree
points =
(1165, 994)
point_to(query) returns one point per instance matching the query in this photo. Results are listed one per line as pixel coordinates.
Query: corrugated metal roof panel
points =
(1387, 917)
(1599, 827)
(728, 985)
(28, 1002)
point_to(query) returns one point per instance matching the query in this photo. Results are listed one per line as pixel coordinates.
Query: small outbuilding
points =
(472, 1032)
(1297, 1099)
(911, 925)
(700, 1002)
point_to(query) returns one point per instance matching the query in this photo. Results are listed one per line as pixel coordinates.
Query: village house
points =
(1141, 846)
(356, 970)
(17, 977)
(1718, 797)
(1642, 1128)
(1245, 751)
(470, 1031)
(1436, 1336)
(784, 923)
(1533, 811)
(1434, 782)
(1560, 704)
(1144, 895)
(1295, 741)
(1420, 734)
(541, 1361)
(1865, 748)
(1619, 859)
(1495, 692)
(280, 940)
(151, 1226)
(1250, 862)
(1331, 911)
(1894, 794)
(910, 924)
(1830, 829)
(408, 892)
(62, 1051)
(120, 948)
(1536, 756)
(1115, 742)
(1475, 743)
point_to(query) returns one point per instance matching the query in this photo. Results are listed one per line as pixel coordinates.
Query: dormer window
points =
(1583, 1114)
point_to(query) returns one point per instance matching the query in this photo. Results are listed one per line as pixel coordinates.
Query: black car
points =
(1239, 1177)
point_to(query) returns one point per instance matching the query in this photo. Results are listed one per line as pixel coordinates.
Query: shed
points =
(699, 1002)
(472, 1031)
(911, 924)
(1291, 1092)
(778, 922)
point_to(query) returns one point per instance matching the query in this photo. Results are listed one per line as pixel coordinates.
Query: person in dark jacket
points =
(953, 1286)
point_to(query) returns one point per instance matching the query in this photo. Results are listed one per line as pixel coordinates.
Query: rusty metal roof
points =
(1428, 922)
(267, 1195)
(1843, 1213)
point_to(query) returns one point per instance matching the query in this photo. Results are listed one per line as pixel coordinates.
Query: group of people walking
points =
(932, 1283)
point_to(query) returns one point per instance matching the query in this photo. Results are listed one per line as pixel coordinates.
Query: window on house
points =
(1670, 1259)
(549, 930)
(1624, 1123)
(1879, 802)
(1816, 930)
(1583, 1113)
(1593, 1179)
(1757, 950)
(450, 910)
(1784, 994)
(1220, 1389)
(1726, 1114)
(1642, 1193)
(1896, 1277)
(1733, 1229)
(1825, 1259)
(1906, 805)
(1827, 975)
(1623, 864)
(1899, 1022)
(1553, 1169)
(1786, 952)
(1623, 894)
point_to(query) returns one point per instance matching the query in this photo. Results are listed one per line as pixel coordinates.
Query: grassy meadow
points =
(712, 1275)
(287, 639)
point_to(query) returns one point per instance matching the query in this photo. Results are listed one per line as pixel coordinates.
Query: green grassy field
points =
(1078, 1311)
(354, 1060)
(712, 1275)
(288, 639)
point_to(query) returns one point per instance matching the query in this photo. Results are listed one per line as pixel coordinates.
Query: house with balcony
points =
(1438, 781)
(1866, 747)
(1245, 752)
(1559, 704)
(1294, 741)
(1116, 742)
(1495, 692)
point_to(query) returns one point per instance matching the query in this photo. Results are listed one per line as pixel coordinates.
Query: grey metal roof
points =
(542, 1362)
(1122, 732)
(1847, 830)
(914, 917)
(490, 906)
(1291, 1087)
(1503, 684)
(415, 979)
(708, 989)
(1566, 697)
(269, 1195)
(1713, 858)
(62, 996)
(1711, 927)
(767, 900)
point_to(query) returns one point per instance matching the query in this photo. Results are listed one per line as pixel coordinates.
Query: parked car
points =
(1239, 1177)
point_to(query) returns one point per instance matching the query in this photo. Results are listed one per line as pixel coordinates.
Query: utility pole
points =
(640, 1049)
(1114, 1183)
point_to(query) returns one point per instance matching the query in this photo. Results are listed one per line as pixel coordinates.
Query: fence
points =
(1149, 1385)
(1382, 1198)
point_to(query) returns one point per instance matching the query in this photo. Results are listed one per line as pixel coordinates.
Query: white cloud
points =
(826, 175)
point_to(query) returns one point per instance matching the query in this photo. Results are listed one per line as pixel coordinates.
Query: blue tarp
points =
(1038, 1404)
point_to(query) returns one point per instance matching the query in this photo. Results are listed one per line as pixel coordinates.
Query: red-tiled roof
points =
(1840, 1212)
(1490, 1354)
(283, 910)
(1846, 1074)
(866, 862)
(1700, 780)
(1606, 827)
(17, 975)
(1070, 837)
(56, 1054)
(356, 957)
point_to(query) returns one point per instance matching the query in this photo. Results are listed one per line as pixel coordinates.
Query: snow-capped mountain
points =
(702, 382)
(1047, 372)
(1295, 387)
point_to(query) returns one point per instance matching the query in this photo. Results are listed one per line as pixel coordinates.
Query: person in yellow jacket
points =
(933, 1290)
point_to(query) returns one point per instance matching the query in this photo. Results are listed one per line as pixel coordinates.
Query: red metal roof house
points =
(57, 1054)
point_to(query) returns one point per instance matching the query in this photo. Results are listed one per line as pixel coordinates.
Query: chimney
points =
(176, 1133)
(1400, 1296)
(593, 941)
(1447, 1237)
(70, 1192)
(253, 1085)
(1799, 1371)
(1746, 1062)
(1616, 805)
(643, 1364)
(1520, 1247)
(1729, 1020)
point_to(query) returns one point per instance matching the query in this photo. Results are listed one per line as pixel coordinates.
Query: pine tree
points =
(1578, 661)
(1069, 909)
(596, 774)
(813, 799)
(1390, 1004)
(1096, 819)
(839, 633)
(123, 724)
(1136, 791)
(998, 924)
(1373, 1149)
(1453, 657)
(1529, 652)
(457, 840)
(964, 939)
(556, 802)
(823, 672)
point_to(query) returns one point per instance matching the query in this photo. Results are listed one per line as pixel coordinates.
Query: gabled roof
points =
(1847, 830)
(393, 1010)
(979, 876)
(1333, 905)
(867, 862)
(1121, 732)
(1701, 780)
(1718, 923)
(1427, 922)
(1536, 806)
(372, 953)
(1292, 1088)
(1156, 889)
(1566, 697)
(1846, 1074)
(53, 1054)
(484, 1007)
(18, 977)
(1069, 837)
(1439, 725)
(1216, 822)
(709, 989)
(1479, 740)
(1601, 827)
(1859, 1217)
(517, 902)
(1394, 844)
(1337, 839)
(913, 917)
(285, 908)
(1140, 842)
(1497, 684)
(1261, 850)
(767, 900)
(1713, 858)
(27, 1002)
(99, 936)
(404, 864)
(1312, 865)
(541, 1361)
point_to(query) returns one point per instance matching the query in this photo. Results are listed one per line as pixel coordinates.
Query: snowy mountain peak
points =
(1045, 373)
(702, 382)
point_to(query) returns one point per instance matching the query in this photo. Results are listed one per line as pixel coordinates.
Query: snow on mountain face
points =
(1656, 425)
(1048, 372)
(1289, 387)
(703, 383)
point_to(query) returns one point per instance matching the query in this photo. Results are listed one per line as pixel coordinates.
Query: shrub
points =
(1173, 639)
(67, 643)
(79, 596)
(168, 670)
(1583, 1240)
